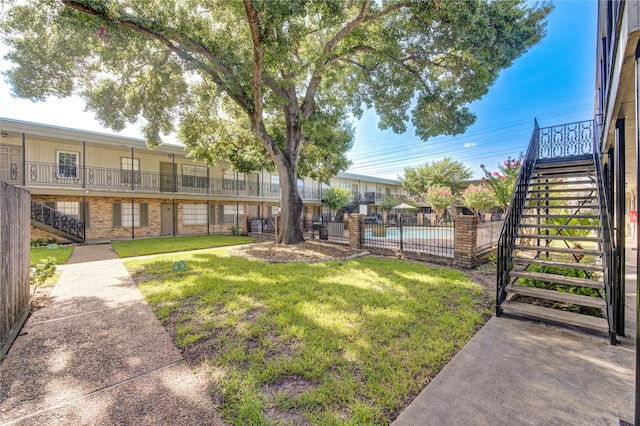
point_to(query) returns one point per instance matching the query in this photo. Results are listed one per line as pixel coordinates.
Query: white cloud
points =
(470, 144)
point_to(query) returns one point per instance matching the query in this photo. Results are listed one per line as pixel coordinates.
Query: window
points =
(275, 183)
(130, 170)
(125, 213)
(252, 211)
(194, 176)
(69, 208)
(194, 214)
(231, 180)
(68, 164)
(231, 214)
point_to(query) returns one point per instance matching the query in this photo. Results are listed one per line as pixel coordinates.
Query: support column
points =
(465, 241)
(355, 230)
(620, 225)
(24, 159)
(637, 410)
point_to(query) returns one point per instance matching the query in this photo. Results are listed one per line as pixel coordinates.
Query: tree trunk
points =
(291, 208)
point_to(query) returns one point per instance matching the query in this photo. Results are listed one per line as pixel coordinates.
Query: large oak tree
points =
(269, 83)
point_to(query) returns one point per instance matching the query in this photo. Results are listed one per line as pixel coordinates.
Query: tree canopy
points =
(269, 83)
(336, 197)
(447, 172)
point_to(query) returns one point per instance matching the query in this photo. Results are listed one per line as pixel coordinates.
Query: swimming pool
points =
(414, 232)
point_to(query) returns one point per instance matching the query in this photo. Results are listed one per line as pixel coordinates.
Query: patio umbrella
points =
(403, 206)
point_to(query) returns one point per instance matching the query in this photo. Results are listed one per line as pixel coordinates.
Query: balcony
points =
(104, 179)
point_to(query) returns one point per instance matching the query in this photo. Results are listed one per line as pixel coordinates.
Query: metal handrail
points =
(608, 243)
(58, 220)
(509, 232)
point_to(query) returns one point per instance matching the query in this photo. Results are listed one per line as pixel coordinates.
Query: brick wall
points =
(101, 217)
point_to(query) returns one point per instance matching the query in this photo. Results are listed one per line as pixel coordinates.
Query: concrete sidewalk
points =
(518, 372)
(98, 355)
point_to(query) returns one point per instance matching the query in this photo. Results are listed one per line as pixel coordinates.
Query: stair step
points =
(561, 175)
(559, 250)
(565, 171)
(556, 315)
(559, 238)
(553, 263)
(558, 279)
(564, 182)
(560, 216)
(544, 226)
(558, 296)
(571, 198)
(561, 163)
(565, 207)
(554, 191)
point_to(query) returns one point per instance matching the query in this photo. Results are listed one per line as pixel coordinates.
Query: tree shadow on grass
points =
(368, 327)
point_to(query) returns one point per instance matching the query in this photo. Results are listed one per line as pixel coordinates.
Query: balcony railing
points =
(105, 179)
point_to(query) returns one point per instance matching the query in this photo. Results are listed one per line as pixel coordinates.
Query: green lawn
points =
(146, 246)
(327, 343)
(61, 254)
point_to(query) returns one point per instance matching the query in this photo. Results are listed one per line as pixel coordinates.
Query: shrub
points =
(564, 288)
(43, 242)
(439, 199)
(235, 230)
(478, 199)
(503, 181)
(41, 273)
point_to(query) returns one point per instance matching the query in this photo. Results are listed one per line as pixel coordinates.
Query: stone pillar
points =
(465, 241)
(356, 228)
(420, 219)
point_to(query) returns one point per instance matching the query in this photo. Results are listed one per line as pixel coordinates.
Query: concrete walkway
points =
(97, 355)
(519, 372)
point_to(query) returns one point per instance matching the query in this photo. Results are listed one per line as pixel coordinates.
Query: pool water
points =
(420, 232)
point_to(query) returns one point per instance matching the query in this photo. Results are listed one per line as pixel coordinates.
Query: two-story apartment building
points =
(121, 189)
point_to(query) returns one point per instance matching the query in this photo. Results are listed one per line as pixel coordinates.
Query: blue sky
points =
(553, 82)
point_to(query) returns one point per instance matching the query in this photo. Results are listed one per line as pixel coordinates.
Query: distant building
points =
(118, 188)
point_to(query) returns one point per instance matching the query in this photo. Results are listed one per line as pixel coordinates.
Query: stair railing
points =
(58, 220)
(608, 243)
(513, 217)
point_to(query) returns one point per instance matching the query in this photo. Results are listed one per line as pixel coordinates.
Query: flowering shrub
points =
(503, 181)
(478, 199)
(439, 198)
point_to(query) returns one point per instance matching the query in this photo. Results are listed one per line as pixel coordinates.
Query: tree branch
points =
(258, 53)
(235, 91)
(316, 77)
(392, 8)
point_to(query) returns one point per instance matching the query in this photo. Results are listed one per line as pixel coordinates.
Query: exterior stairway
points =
(555, 252)
(56, 222)
(557, 262)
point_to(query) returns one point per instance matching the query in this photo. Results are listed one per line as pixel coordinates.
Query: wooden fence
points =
(15, 297)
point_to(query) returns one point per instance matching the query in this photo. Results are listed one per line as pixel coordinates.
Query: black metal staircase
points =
(555, 255)
(56, 222)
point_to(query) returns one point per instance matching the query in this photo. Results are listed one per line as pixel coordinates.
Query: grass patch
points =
(147, 246)
(61, 254)
(324, 343)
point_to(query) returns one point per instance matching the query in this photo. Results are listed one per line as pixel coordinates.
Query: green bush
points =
(43, 242)
(235, 230)
(41, 273)
(565, 288)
